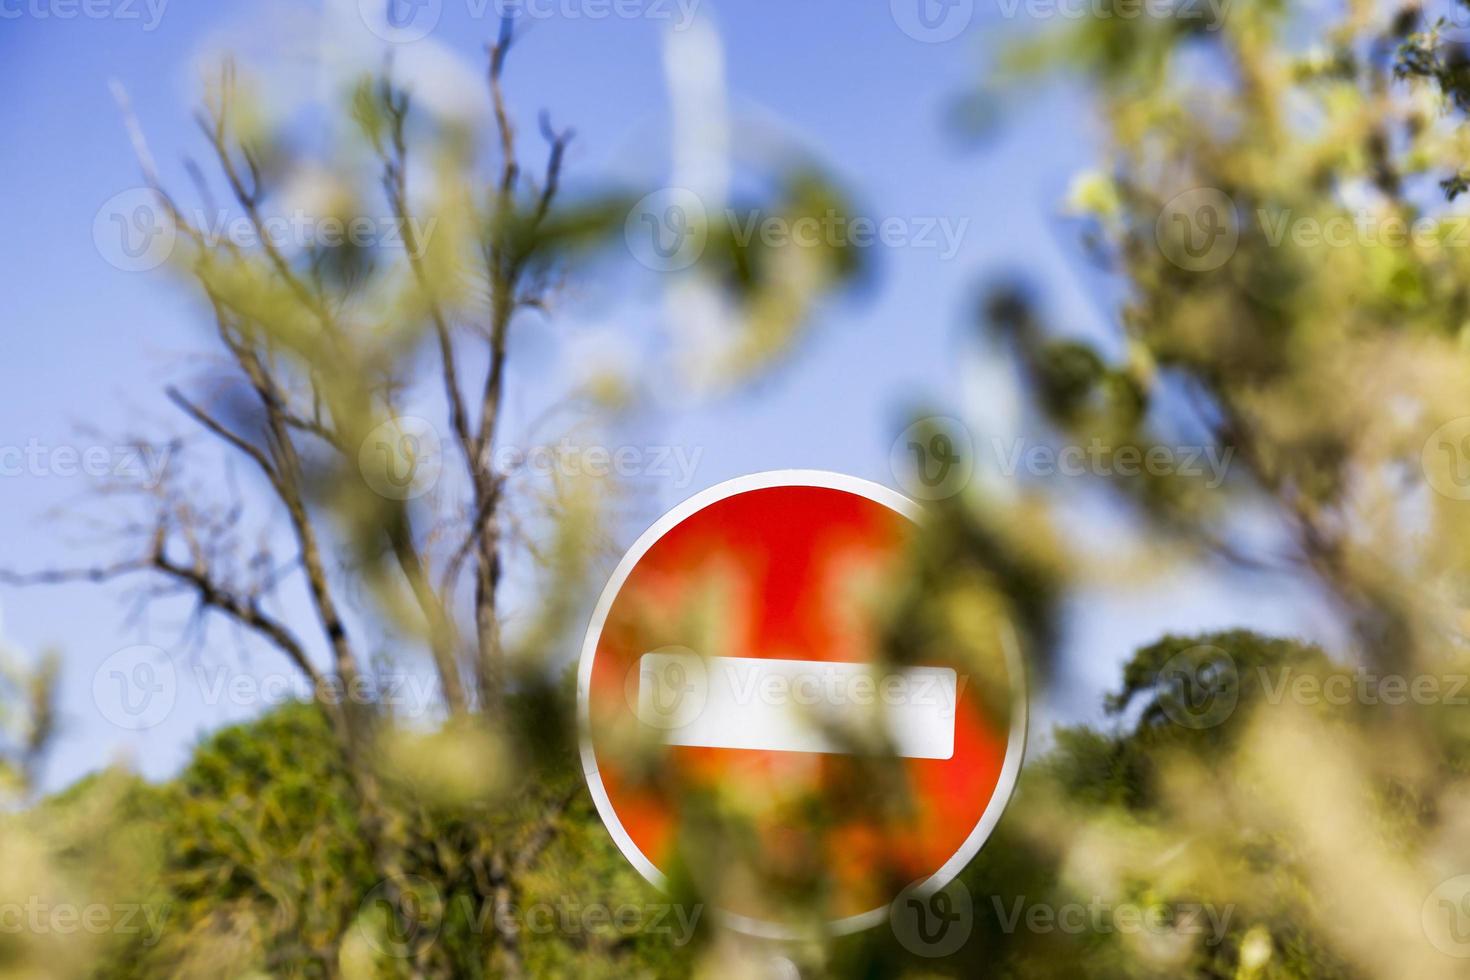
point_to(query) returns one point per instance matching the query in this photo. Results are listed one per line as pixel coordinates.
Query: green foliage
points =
(256, 853)
(255, 862)
(1271, 834)
(1111, 792)
(264, 843)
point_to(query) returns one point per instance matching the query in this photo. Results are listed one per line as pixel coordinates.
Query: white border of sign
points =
(893, 500)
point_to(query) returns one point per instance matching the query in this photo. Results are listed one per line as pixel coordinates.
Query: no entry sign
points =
(733, 665)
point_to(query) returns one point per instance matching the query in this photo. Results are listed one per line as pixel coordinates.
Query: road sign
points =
(734, 661)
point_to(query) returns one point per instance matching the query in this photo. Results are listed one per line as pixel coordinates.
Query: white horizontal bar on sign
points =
(793, 705)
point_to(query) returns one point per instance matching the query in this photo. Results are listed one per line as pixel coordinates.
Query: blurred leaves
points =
(1255, 164)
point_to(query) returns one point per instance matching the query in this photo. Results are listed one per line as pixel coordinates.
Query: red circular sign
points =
(733, 664)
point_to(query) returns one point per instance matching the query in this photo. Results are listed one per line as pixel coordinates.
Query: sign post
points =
(734, 664)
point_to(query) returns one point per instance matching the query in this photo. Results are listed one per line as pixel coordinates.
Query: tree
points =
(1290, 300)
(319, 346)
(1289, 270)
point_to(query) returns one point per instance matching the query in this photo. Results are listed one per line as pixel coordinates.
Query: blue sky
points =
(85, 342)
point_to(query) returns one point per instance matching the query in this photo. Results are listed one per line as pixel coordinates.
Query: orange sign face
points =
(738, 715)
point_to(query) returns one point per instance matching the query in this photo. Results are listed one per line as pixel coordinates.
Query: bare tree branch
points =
(218, 428)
